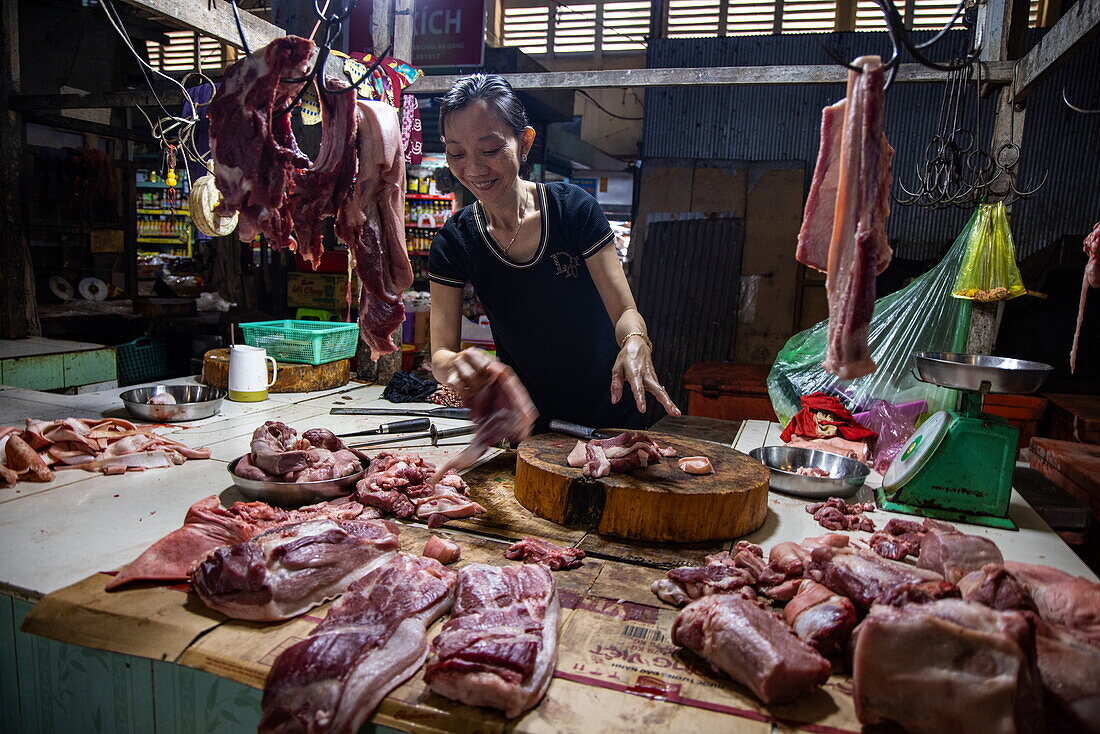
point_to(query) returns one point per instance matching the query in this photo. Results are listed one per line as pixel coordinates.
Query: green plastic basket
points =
(306, 342)
(142, 360)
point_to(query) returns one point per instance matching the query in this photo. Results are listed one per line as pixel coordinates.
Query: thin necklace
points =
(518, 226)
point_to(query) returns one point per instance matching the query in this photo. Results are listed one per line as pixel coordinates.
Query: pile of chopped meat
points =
(554, 557)
(812, 471)
(960, 641)
(111, 446)
(623, 453)
(401, 484)
(278, 454)
(844, 226)
(836, 514)
(208, 526)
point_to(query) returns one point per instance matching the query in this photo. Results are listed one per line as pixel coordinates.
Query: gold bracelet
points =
(645, 337)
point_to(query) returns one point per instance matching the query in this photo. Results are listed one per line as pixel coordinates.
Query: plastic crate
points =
(142, 360)
(305, 342)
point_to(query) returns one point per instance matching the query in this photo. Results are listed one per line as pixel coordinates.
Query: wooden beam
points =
(214, 19)
(1078, 26)
(87, 127)
(713, 76)
(45, 102)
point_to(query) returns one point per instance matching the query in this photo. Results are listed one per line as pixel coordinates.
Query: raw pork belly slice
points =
(952, 554)
(255, 153)
(502, 410)
(821, 617)
(373, 639)
(752, 646)
(1090, 278)
(862, 575)
(443, 550)
(946, 666)
(554, 557)
(850, 191)
(500, 646)
(626, 452)
(290, 569)
(370, 222)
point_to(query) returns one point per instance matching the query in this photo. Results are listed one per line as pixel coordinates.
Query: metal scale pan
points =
(972, 371)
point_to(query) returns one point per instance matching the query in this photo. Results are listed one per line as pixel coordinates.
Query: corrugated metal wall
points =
(781, 123)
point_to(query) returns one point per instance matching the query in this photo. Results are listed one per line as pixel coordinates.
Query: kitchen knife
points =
(577, 431)
(410, 426)
(433, 434)
(460, 413)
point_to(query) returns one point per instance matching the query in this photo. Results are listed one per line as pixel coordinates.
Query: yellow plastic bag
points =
(989, 271)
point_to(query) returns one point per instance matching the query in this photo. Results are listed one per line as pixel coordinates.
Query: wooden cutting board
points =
(1075, 467)
(658, 503)
(291, 377)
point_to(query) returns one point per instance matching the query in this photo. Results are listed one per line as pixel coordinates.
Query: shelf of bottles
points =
(163, 220)
(426, 210)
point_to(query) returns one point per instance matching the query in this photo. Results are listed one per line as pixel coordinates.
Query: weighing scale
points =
(958, 465)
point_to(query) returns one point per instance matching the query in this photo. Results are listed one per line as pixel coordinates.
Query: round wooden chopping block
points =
(658, 503)
(291, 377)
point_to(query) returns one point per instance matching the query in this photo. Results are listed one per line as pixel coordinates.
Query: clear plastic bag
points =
(894, 424)
(922, 317)
(989, 271)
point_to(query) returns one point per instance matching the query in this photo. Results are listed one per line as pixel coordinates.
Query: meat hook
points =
(1075, 108)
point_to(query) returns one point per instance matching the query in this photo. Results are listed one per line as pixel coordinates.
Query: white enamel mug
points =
(248, 381)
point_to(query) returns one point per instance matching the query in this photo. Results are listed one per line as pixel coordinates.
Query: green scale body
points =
(957, 466)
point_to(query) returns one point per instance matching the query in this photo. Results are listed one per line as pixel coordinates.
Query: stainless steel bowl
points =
(294, 494)
(193, 402)
(846, 475)
(969, 371)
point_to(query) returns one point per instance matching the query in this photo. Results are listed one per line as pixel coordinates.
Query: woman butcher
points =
(541, 260)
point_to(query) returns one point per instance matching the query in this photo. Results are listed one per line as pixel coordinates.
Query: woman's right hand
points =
(465, 372)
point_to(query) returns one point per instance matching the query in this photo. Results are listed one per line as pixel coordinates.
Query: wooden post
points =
(402, 29)
(17, 301)
(381, 24)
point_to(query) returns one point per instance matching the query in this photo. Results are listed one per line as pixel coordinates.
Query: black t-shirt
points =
(548, 320)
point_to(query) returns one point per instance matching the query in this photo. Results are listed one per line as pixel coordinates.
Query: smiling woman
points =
(558, 302)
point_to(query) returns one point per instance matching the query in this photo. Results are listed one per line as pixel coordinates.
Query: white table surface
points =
(57, 533)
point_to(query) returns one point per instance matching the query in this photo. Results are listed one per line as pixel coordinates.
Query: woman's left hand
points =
(635, 365)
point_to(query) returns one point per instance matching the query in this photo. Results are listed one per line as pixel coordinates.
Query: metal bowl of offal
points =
(295, 494)
(845, 476)
(969, 371)
(192, 402)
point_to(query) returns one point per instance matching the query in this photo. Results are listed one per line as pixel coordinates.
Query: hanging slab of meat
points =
(821, 617)
(952, 554)
(844, 226)
(554, 557)
(290, 569)
(373, 639)
(946, 666)
(502, 410)
(208, 525)
(371, 223)
(626, 452)
(254, 150)
(320, 190)
(443, 550)
(500, 646)
(862, 575)
(1061, 598)
(1091, 279)
(752, 646)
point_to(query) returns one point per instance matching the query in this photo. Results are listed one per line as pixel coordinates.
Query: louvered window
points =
(185, 52)
(693, 18)
(527, 28)
(749, 18)
(575, 29)
(809, 16)
(933, 14)
(869, 17)
(625, 25)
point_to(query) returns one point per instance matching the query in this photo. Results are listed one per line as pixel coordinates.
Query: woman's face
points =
(484, 153)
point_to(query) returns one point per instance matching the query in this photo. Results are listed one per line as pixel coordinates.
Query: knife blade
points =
(459, 413)
(577, 431)
(410, 426)
(433, 434)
